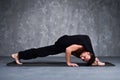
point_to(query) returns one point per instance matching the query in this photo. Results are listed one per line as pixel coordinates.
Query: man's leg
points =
(87, 44)
(34, 53)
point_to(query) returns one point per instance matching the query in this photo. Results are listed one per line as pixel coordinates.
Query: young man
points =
(78, 45)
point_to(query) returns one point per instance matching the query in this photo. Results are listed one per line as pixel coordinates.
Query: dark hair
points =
(79, 51)
(92, 59)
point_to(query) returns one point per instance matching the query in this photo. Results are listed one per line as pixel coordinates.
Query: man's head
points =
(87, 57)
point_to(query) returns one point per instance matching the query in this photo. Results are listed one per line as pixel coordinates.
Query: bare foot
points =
(101, 63)
(15, 57)
(97, 62)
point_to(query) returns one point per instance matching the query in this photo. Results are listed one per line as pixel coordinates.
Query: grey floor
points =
(59, 73)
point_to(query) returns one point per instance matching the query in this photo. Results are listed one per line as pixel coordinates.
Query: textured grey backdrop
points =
(26, 24)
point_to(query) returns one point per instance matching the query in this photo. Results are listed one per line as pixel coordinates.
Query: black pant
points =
(60, 45)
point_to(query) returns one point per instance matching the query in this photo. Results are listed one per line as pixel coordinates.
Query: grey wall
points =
(26, 24)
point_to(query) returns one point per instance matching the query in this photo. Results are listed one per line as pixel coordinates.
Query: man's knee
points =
(86, 36)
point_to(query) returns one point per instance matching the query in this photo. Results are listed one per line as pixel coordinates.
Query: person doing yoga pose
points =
(77, 45)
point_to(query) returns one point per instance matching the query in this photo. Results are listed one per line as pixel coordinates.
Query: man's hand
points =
(72, 64)
(68, 54)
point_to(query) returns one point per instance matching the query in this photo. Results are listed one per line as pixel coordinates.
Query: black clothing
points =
(60, 46)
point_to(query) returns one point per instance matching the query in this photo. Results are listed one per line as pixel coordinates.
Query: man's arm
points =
(68, 54)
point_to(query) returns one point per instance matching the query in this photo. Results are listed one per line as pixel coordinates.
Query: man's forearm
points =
(67, 56)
